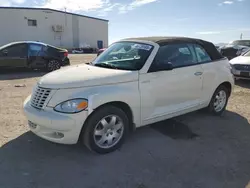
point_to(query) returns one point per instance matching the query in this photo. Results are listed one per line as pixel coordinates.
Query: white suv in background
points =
(241, 66)
(133, 83)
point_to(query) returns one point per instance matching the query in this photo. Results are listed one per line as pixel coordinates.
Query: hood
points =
(84, 76)
(243, 60)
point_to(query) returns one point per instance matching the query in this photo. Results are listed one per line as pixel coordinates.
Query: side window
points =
(35, 50)
(180, 55)
(202, 55)
(18, 50)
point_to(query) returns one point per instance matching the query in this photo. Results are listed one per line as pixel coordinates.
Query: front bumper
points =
(53, 126)
(241, 78)
(237, 75)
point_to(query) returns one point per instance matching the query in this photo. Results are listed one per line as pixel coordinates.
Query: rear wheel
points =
(53, 65)
(106, 129)
(219, 100)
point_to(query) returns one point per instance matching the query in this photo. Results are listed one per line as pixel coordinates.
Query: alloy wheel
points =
(108, 131)
(53, 65)
(220, 101)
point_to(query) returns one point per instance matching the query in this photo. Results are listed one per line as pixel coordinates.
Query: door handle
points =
(198, 73)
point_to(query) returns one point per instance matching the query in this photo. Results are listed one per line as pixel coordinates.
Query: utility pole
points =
(65, 10)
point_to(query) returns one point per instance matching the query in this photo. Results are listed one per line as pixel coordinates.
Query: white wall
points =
(90, 31)
(14, 27)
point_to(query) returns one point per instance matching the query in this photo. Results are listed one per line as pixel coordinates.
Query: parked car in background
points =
(241, 43)
(133, 83)
(241, 66)
(77, 51)
(231, 51)
(83, 50)
(100, 51)
(34, 55)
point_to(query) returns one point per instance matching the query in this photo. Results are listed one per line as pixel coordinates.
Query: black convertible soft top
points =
(208, 46)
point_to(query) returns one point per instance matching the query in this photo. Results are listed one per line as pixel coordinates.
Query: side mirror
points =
(5, 52)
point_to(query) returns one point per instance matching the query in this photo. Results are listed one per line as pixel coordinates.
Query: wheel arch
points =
(119, 104)
(228, 85)
(125, 108)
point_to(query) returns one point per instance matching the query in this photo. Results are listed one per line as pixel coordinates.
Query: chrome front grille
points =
(39, 97)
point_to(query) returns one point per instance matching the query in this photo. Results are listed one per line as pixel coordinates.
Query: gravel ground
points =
(196, 150)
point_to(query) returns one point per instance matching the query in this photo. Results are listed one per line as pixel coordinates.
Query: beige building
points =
(53, 27)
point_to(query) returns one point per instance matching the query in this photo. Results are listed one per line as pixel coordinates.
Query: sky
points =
(219, 21)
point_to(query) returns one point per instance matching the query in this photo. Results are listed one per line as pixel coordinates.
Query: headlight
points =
(72, 106)
(233, 70)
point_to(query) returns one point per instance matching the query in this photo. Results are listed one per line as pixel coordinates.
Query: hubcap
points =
(53, 65)
(220, 101)
(108, 131)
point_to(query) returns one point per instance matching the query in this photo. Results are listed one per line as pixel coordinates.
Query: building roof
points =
(48, 9)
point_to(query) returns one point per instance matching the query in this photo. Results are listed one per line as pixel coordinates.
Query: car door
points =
(165, 92)
(14, 56)
(210, 71)
(37, 54)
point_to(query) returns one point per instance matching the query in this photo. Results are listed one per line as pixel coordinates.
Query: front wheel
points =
(53, 65)
(106, 129)
(219, 100)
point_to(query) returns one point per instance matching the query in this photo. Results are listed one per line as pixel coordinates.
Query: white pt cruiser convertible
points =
(133, 83)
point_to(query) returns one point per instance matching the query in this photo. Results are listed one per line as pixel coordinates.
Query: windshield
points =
(125, 56)
(241, 42)
(247, 54)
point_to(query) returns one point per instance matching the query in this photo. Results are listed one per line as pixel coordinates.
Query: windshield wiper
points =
(105, 65)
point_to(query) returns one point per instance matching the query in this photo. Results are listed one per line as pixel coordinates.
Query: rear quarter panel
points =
(53, 53)
(214, 74)
(57, 54)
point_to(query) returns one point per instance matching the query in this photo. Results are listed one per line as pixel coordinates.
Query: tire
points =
(219, 101)
(105, 136)
(53, 65)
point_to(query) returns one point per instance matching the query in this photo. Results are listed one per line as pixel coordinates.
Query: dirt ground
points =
(196, 150)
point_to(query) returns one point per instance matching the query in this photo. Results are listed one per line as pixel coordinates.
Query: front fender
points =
(100, 95)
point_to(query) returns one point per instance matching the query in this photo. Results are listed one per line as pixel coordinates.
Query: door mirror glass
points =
(5, 52)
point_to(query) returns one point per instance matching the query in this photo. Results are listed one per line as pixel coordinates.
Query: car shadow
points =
(243, 83)
(21, 73)
(151, 157)
(174, 129)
